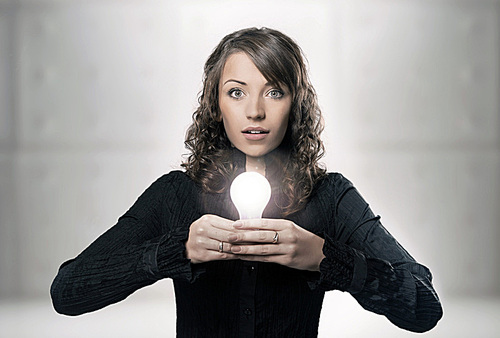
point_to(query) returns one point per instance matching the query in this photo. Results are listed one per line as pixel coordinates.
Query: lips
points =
(255, 133)
(255, 130)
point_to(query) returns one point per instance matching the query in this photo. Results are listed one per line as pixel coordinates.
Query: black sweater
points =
(249, 299)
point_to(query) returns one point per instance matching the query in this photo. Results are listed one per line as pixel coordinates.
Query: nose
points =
(255, 109)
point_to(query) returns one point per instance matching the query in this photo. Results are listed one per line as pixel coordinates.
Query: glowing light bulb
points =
(250, 193)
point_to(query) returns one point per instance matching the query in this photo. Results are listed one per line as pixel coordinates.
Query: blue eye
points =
(276, 94)
(235, 93)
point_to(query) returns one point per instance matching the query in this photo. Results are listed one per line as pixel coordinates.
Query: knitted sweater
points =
(249, 299)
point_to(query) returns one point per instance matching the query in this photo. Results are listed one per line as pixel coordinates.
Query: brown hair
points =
(280, 61)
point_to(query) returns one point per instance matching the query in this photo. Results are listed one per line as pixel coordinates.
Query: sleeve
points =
(146, 244)
(362, 258)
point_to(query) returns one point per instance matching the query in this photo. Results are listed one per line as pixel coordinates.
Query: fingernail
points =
(232, 238)
(237, 224)
(235, 249)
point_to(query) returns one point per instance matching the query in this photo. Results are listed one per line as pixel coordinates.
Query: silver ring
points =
(221, 246)
(276, 238)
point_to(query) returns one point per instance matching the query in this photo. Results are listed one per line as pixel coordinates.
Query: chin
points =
(255, 153)
(255, 150)
(252, 154)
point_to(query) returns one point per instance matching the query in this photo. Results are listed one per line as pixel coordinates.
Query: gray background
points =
(95, 98)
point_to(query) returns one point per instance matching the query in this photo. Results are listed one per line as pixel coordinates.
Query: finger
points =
(262, 224)
(218, 222)
(204, 243)
(212, 226)
(219, 234)
(258, 258)
(213, 245)
(201, 255)
(218, 256)
(259, 250)
(253, 236)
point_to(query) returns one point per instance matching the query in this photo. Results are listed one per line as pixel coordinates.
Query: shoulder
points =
(173, 183)
(333, 188)
(173, 179)
(334, 183)
(338, 178)
(176, 176)
(168, 188)
(173, 189)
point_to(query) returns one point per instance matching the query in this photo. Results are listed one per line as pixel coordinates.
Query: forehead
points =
(240, 67)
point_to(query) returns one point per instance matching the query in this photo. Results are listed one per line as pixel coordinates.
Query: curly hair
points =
(280, 60)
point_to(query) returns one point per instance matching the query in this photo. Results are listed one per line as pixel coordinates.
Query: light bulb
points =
(250, 193)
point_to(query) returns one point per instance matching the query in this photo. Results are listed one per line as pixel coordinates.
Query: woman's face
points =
(254, 112)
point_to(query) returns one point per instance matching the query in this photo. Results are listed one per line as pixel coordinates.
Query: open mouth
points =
(255, 132)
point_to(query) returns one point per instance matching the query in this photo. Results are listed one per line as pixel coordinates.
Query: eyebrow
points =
(244, 83)
(233, 80)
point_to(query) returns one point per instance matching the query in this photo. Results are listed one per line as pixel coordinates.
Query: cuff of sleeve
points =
(343, 268)
(171, 252)
(359, 274)
(171, 259)
(164, 258)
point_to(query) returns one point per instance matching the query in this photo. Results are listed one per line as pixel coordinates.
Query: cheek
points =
(229, 123)
(223, 113)
(284, 127)
(230, 114)
(222, 109)
(227, 126)
(285, 118)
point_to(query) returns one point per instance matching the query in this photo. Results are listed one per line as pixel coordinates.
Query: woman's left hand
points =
(295, 247)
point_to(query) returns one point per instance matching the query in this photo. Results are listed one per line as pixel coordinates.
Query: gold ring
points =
(276, 238)
(221, 246)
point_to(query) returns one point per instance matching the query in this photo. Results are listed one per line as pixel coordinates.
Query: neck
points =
(256, 164)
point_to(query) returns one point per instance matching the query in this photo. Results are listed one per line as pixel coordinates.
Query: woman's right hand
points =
(205, 236)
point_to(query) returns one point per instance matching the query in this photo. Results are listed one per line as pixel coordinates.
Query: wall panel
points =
(95, 98)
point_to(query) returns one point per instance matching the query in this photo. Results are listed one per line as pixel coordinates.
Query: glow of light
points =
(250, 193)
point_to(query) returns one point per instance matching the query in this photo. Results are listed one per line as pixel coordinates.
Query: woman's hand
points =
(295, 247)
(205, 237)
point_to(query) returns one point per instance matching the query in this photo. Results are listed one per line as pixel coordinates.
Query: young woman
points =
(261, 277)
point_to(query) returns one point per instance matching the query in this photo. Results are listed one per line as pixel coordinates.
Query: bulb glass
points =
(250, 193)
